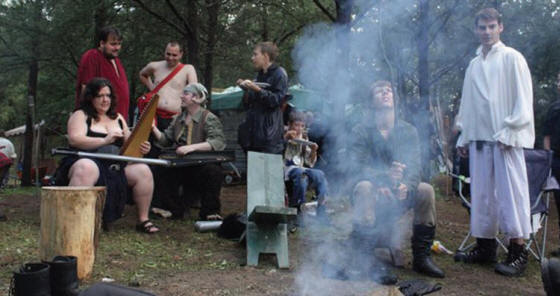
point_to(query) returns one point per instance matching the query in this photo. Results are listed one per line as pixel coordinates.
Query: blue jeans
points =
(301, 178)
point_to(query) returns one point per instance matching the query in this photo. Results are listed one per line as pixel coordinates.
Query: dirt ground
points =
(179, 261)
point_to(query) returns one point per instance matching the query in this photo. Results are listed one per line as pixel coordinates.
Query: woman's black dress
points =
(111, 175)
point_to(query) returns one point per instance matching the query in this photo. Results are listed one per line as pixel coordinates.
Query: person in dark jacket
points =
(385, 150)
(264, 126)
(551, 141)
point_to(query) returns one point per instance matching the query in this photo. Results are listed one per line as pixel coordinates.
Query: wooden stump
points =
(70, 224)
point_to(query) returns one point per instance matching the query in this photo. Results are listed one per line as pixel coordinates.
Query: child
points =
(300, 156)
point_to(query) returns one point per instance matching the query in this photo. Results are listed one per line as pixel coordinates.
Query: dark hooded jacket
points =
(372, 155)
(551, 127)
(264, 112)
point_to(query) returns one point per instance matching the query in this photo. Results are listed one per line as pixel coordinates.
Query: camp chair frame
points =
(542, 200)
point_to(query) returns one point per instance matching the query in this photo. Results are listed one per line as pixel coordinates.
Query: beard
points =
(108, 54)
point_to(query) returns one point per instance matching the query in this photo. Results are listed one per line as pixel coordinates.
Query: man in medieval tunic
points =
(496, 122)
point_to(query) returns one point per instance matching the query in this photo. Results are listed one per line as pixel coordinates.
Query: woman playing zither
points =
(96, 127)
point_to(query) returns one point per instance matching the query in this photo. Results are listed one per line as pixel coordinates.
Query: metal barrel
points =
(207, 226)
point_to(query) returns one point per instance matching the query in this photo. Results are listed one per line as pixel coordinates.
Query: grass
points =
(123, 255)
(178, 261)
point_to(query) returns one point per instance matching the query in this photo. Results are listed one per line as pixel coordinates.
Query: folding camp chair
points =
(541, 185)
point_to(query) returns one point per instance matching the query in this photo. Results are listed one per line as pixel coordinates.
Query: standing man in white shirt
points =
(496, 122)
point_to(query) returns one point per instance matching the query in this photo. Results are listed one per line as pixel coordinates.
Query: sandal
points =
(147, 227)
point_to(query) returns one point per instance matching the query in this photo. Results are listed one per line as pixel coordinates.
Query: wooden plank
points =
(271, 215)
(265, 180)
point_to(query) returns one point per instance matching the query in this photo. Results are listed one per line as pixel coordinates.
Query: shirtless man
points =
(170, 94)
(169, 99)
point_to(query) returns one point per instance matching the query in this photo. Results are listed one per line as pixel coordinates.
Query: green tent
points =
(302, 99)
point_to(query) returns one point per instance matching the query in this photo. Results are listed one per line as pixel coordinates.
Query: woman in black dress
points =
(96, 127)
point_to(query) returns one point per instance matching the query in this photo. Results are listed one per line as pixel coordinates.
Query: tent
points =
(20, 130)
(230, 99)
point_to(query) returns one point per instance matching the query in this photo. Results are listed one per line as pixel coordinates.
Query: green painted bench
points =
(268, 215)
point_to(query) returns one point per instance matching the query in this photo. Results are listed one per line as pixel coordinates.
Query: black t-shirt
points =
(551, 127)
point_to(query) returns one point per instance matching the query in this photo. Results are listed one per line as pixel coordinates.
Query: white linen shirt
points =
(497, 99)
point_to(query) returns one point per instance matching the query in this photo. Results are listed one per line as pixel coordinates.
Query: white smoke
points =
(339, 63)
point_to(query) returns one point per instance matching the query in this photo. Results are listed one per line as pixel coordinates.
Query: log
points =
(71, 223)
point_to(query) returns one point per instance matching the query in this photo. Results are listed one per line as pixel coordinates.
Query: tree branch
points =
(186, 25)
(324, 10)
(159, 17)
(445, 70)
(448, 15)
(288, 34)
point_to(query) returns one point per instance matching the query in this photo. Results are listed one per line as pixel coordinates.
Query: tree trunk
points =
(100, 20)
(423, 54)
(70, 224)
(213, 12)
(343, 11)
(264, 19)
(193, 47)
(424, 77)
(29, 119)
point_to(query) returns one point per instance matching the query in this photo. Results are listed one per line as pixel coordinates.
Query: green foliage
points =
(63, 29)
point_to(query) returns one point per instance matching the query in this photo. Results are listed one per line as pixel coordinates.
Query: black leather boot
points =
(64, 276)
(382, 273)
(483, 253)
(550, 272)
(32, 279)
(516, 261)
(422, 239)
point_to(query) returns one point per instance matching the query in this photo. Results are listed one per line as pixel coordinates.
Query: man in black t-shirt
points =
(551, 141)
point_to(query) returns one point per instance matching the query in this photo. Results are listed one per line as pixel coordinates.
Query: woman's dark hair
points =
(92, 89)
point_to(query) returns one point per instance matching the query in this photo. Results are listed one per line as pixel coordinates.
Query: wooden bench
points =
(268, 216)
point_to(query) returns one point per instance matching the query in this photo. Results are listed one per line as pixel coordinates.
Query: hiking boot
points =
(384, 275)
(555, 253)
(516, 261)
(296, 222)
(32, 279)
(64, 276)
(422, 239)
(550, 272)
(377, 270)
(483, 253)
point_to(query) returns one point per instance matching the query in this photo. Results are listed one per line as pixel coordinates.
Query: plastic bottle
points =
(439, 248)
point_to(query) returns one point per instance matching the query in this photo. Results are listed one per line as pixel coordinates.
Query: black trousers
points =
(157, 171)
(203, 181)
(556, 174)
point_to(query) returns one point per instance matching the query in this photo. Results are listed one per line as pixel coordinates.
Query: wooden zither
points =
(141, 131)
(130, 151)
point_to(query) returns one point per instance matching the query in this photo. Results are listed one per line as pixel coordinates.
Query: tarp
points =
(20, 130)
(230, 99)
